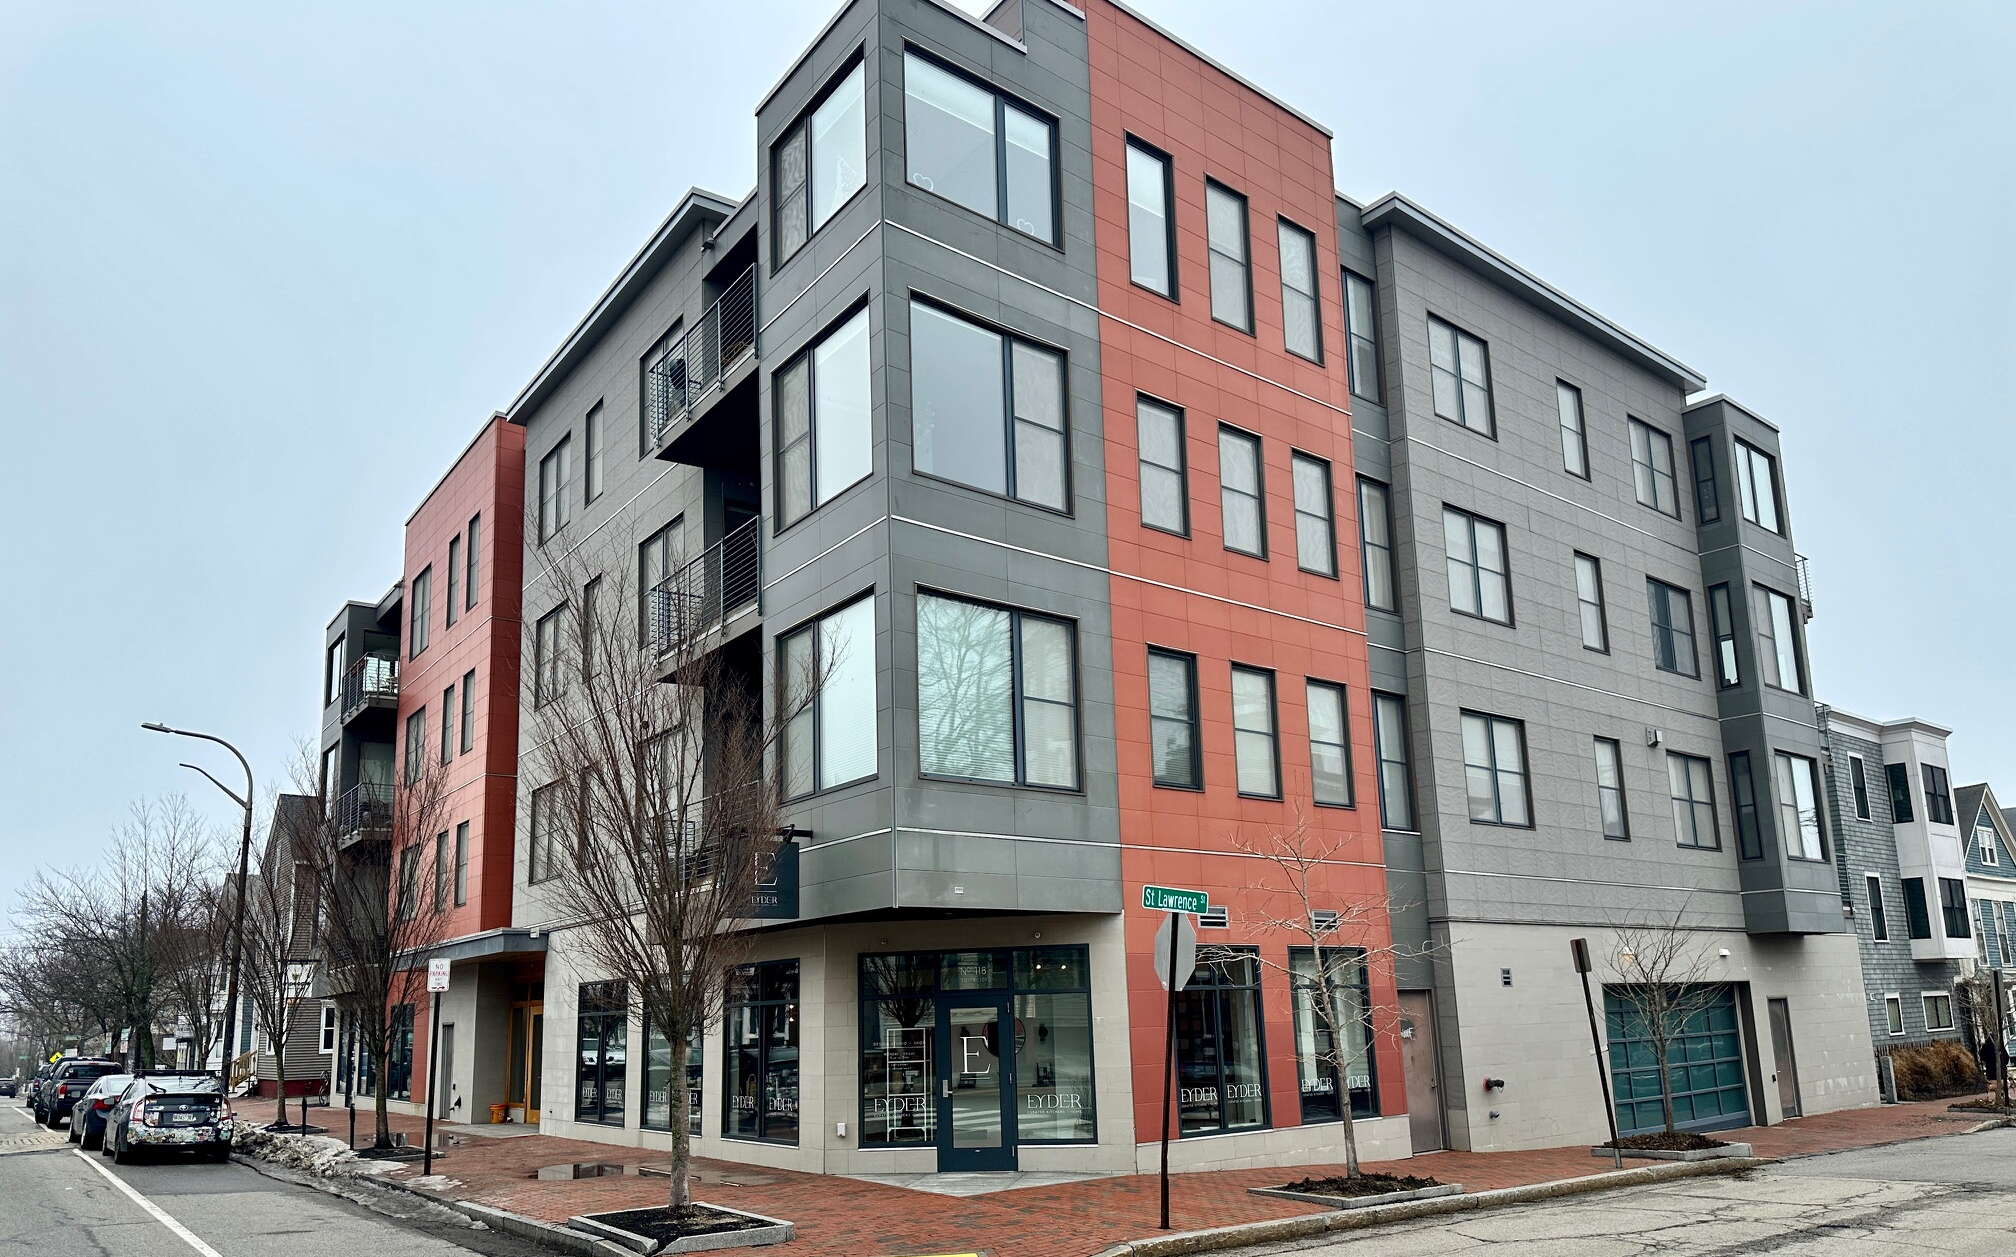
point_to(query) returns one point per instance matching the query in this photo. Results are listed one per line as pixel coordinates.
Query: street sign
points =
(437, 975)
(1185, 927)
(1172, 899)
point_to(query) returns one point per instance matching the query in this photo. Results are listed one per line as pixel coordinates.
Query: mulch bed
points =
(662, 1224)
(1363, 1185)
(1667, 1141)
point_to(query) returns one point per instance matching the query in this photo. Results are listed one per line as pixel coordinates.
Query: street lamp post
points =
(244, 861)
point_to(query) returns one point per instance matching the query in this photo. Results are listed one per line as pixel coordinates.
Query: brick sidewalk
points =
(842, 1217)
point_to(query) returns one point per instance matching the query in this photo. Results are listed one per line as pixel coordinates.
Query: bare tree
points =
(1338, 937)
(657, 815)
(1667, 980)
(1990, 1021)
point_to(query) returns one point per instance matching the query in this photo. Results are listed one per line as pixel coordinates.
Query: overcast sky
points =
(265, 268)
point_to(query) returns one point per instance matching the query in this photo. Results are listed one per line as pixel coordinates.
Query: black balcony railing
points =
(1805, 586)
(363, 808)
(686, 371)
(710, 590)
(373, 676)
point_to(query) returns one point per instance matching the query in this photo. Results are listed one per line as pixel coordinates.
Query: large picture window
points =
(1221, 1074)
(662, 1074)
(602, 1042)
(822, 407)
(978, 149)
(1325, 1071)
(1151, 222)
(821, 162)
(829, 740)
(760, 1040)
(997, 694)
(987, 409)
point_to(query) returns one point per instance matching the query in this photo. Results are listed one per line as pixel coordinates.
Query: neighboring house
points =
(309, 1067)
(1893, 812)
(1989, 833)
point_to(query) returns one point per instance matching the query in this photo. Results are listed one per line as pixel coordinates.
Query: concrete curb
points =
(1218, 1239)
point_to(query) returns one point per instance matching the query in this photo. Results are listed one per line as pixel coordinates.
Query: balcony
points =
(714, 359)
(1805, 587)
(364, 811)
(720, 590)
(371, 682)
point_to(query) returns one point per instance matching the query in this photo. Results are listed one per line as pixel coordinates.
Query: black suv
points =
(61, 1090)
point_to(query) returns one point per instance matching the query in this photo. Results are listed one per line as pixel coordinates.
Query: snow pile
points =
(311, 1154)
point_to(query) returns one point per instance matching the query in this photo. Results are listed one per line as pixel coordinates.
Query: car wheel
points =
(54, 1122)
(90, 1143)
(121, 1155)
(73, 1132)
(221, 1154)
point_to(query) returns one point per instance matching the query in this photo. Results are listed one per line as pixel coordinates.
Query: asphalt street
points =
(57, 1201)
(1954, 1196)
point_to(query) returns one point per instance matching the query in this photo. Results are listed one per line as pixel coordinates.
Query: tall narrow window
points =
(1743, 789)
(442, 870)
(1228, 240)
(978, 149)
(1240, 495)
(409, 881)
(469, 577)
(448, 607)
(997, 694)
(1799, 807)
(416, 745)
(1728, 671)
(1574, 439)
(1707, 496)
(547, 681)
(1330, 744)
(821, 162)
(1610, 802)
(1396, 770)
(1652, 468)
(1165, 491)
(1361, 326)
(601, 1048)
(421, 596)
(1151, 226)
(1778, 633)
(447, 724)
(1858, 780)
(760, 1042)
(469, 711)
(1301, 307)
(828, 700)
(1328, 1071)
(822, 406)
(1589, 596)
(1459, 369)
(1672, 629)
(1693, 801)
(1938, 796)
(1879, 915)
(1375, 538)
(591, 481)
(1494, 770)
(1757, 486)
(656, 601)
(461, 863)
(1478, 582)
(556, 480)
(1256, 753)
(1172, 719)
(1221, 1064)
(1315, 525)
(332, 672)
(1917, 917)
(1899, 776)
(986, 410)
(1953, 907)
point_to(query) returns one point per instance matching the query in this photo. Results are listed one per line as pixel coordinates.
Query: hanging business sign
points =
(775, 894)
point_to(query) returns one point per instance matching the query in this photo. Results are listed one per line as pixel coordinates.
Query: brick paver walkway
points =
(843, 1217)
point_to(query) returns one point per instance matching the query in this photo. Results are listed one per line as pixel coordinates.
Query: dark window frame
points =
(1743, 796)
(1206, 984)
(1524, 772)
(803, 360)
(1722, 624)
(448, 608)
(1259, 494)
(1654, 589)
(1600, 602)
(593, 440)
(1879, 911)
(1656, 439)
(1564, 392)
(474, 534)
(1357, 338)
(1938, 794)
(1272, 732)
(461, 863)
(1135, 143)
(1707, 489)
(1343, 693)
(1898, 778)
(1767, 630)
(1615, 749)
(1009, 420)
(609, 1008)
(815, 625)
(547, 674)
(1181, 471)
(1385, 700)
(1384, 492)
(1694, 802)
(1462, 416)
(1794, 762)
(541, 820)
(1313, 985)
(1744, 501)
(1002, 102)
(803, 122)
(1298, 457)
(1245, 262)
(420, 609)
(1282, 226)
(1858, 783)
(556, 502)
(757, 977)
(1477, 569)
(1953, 907)
(1018, 730)
(1193, 722)
(468, 742)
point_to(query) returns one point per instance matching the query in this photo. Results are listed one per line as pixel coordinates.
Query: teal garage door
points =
(1709, 1092)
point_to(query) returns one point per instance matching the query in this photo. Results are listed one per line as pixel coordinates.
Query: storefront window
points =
(898, 1017)
(1221, 1080)
(658, 1079)
(1317, 1065)
(760, 1045)
(602, 1042)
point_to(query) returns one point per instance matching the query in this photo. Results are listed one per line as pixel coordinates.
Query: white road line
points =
(182, 1233)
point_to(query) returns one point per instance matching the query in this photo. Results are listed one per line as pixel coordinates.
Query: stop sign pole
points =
(1183, 907)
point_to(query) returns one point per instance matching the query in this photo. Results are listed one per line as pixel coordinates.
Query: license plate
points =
(184, 1119)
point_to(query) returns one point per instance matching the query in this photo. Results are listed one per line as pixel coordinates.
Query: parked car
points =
(9, 1086)
(33, 1087)
(87, 1119)
(173, 1113)
(62, 1089)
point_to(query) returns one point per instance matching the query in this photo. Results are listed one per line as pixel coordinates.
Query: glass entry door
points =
(976, 1123)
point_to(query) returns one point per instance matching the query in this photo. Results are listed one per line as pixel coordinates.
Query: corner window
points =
(1574, 440)
(760, 1043)
(1899, 780)
(591, 483)
(1396, 771)
(1728, 671)
(1256, 750)
(1778, 631)
(997, 694)
(1479, 584)
(1589, 596)
(1707, 495)
(822, 406)
(1672, 629)
(1610, 802)
(602, 1034)
(1858, 780)
(1494, 770)
(977, 149)
(1301, 307)
(1799, 807)
(1165, 485)
(827, 693)
(1151, 222)
(1221, 1074)
(1743, 789)
(1315, 525)
(421, 598)
(1375, 539)
(1757, 486)
(1361, 328)
(1459, 368)
(820, 163)
(1172, 719)
(1228, 241)
(986, 409)
(1652, 469)
(1879, 916)
(1330, 744)
(1693, 801)
(1241, 497)
(1938, 795)
(556, 480)
(1333, 1054)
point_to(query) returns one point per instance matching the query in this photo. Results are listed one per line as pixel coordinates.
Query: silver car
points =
(88, 1116)
(186, 1113)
